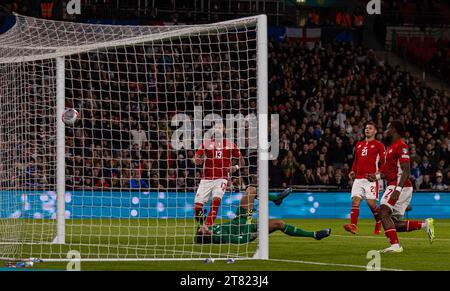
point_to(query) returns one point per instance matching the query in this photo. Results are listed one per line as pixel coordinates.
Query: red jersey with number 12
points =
(218, 158)
(396, 154)
(368, 154)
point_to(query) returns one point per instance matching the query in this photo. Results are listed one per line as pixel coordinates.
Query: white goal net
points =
(118, 185)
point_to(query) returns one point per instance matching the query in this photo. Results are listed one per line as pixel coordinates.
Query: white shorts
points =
(365, 189)
(206, 188)
(398, 209)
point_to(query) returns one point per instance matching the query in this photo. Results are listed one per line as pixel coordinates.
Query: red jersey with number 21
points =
(218, 158)
(396, 154)
(368, 154)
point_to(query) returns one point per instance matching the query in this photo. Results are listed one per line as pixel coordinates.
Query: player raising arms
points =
(369, 153)
(218, 154)
(398, 194)
(243, 229)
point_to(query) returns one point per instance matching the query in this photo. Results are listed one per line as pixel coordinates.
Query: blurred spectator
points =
(47, 9)
(115, 182)
(87, 182)
(139, 136)
(426, 183)
(358, 18)
(101, 183)
(439, 184)
(289, 165)
(276, 174)
(340, 181)
(425, 166)
(447, 179)
(155, 182)
(416, 174)
(343, 19)
(300, 176)
(313, 18)
(440, 62)
(77, 181)
(310, 178)
(136, 182)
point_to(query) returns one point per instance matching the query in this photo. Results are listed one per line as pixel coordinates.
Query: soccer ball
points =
(70, 116)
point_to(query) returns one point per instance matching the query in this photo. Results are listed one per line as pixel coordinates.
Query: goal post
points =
(114, 186)
(60, 153)
(263, 149)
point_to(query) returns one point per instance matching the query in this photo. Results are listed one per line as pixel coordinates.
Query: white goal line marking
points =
(331, 264)
(383, 237)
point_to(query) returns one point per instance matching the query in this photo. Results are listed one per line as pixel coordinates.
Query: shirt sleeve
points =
(403, 154)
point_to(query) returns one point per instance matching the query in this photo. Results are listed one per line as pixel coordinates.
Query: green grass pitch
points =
(341, 251)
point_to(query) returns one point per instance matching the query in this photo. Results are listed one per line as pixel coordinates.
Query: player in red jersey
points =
(398, 194)
(217, 154)
(369, 154)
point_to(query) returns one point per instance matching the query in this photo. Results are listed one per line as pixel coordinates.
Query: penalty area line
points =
(331, 264)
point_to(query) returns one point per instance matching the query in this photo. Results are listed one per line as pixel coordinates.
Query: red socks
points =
(412, 225)
(391, 234)
(409, 225)
(354, 214)
(213, 213)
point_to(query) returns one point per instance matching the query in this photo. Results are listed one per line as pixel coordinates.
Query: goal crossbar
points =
(70, 49)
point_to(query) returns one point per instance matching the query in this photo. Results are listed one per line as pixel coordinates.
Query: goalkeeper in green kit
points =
(243, 229)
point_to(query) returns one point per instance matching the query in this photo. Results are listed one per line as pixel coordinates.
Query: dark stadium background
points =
(324, 94)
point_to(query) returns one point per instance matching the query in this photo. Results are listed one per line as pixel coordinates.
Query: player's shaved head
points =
(395, 130)
(398, 126)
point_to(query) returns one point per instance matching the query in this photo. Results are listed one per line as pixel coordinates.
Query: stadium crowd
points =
(440, 62)
(325, 95)
(127, 101)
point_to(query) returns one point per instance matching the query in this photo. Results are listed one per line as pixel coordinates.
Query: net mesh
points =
(129, 191)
